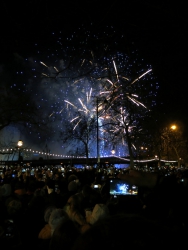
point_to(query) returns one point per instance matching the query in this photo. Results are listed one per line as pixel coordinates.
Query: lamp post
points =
(171, 130)
(174, 145)
(19, 144)
(113, 151)
(98, 150)
(167, 136)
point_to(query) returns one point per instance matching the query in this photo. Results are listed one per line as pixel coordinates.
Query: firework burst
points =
(86, 79)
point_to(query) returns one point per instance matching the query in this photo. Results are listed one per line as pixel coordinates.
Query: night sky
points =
(158, 30)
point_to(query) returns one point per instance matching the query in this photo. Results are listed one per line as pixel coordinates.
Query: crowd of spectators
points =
(60, 208)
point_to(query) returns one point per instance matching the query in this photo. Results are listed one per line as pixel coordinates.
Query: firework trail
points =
(74, 83)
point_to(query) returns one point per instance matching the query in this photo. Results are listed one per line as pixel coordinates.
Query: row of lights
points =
(145, 160)
(42, 153)
(20, 144)
(67, 156)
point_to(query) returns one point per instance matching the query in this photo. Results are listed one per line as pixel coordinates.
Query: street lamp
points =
(19, 144)
(173, 127)
(113, 151)
(98, 152)
(167, 134)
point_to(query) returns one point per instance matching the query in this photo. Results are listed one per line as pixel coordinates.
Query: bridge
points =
(81, 161)
(25, 156)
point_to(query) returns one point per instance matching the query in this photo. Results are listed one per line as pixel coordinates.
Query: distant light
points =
(173, 127)
(20, 143)
(113, 151)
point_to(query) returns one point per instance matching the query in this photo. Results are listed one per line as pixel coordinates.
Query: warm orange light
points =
(173, 127)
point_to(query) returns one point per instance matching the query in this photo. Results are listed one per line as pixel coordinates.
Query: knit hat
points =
(57, 216)
(48, 212)
(100, 211)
